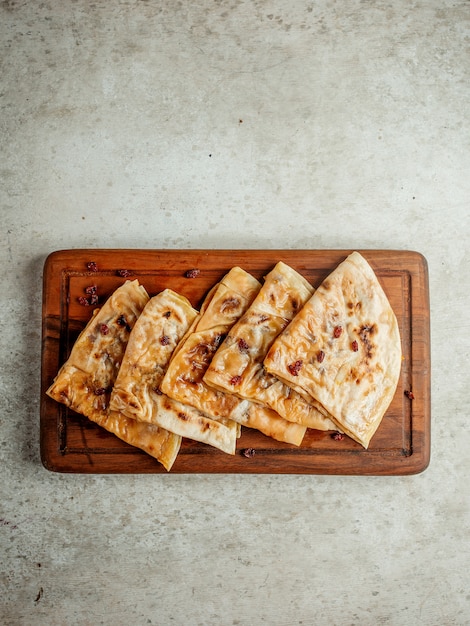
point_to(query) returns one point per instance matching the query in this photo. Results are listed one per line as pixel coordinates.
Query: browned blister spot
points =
(261, 317)
(230, 305)
(366, 332)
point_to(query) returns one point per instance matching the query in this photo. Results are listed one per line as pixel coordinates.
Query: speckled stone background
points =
(230, 123)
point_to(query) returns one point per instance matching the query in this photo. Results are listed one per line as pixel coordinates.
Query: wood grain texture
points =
(71, 443)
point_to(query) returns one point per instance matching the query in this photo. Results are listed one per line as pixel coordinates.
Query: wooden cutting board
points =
(72, 443)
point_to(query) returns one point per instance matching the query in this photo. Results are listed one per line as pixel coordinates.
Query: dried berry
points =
(294, 368)
(83, 301)
(92, 267)
(93, 299)
(355, 346)
(242, 345)
(249, 452)
(164, 340)
(235, 380)
(409, 394)
(192, 273)
(337, 331)
(167, 314)
(337, 436)
(124, 273)
(91, 290)
(320, 356)
(100, 391)
(104, 329)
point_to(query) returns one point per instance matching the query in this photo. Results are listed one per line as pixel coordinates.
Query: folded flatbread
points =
(237, 366)
(158, 442)
(183, 381)
(136, 393)
(85, 381)
(343, 349)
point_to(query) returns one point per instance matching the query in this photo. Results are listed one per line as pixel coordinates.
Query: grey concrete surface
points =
(229, 123)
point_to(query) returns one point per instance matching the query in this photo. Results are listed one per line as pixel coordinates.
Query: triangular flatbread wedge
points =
(183, 381)
(85, 381)
(343, 349)
(136, 393)
(237, 366)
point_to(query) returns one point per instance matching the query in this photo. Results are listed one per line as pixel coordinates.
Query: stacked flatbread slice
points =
(237, 366)
(184, 379)
(278, 357)
(343, 349)
(136, 393)
(85, 381)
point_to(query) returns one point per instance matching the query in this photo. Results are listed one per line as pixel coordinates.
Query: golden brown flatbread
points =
(183, 381)
(85, 381)
(237, 366)
(158, 442)
(343, 349)
(136, 393)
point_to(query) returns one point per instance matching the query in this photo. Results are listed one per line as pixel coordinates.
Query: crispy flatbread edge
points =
(268, 422)
(319, 419)
(310, 400)
(289, 271)
(147, 437)
(158, 442)
(182, 420)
